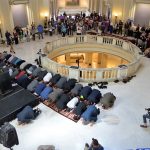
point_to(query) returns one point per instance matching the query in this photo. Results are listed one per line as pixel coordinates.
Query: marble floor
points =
(116, 129)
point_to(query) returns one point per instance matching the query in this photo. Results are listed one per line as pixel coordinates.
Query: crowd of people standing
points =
(79, 24)
(19, 34)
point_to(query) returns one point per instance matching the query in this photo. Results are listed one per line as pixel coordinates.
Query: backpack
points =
(8, 135)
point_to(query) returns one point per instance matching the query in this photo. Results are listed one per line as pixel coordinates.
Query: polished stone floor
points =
(116, 129)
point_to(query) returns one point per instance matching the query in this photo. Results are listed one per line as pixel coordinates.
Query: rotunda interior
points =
(74, 74)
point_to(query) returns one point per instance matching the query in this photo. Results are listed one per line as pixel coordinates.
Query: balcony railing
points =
(92, 74)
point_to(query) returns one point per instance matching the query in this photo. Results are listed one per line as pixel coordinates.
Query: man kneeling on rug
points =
(27, 114)
(90, 115)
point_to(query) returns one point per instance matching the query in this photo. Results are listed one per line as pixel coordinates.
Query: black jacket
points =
(41, 75)
(94, 96)
(27, 67)
(8, 56)
(20, 62)
(69, 85)
(62, 101)
(55, 78)
(85, 92)
(81, 107)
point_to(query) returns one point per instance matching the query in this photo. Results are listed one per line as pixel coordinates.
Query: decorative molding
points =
(75, 10)
(143, 1)
(16, 2)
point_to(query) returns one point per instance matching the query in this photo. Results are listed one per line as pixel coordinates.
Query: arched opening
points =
(90, 60)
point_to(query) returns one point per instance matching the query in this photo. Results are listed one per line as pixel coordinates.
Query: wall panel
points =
(142, 14)
(19, 13)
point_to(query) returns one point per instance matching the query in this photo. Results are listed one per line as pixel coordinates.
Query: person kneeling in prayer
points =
(72, 103)
(27, 114)
(90, 115)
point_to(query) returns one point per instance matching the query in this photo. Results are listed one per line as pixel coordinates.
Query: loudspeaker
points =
(8, 135)
(5, 83)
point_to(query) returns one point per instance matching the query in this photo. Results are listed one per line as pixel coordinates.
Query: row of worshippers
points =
(66, 94)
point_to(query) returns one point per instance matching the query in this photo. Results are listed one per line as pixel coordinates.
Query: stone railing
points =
(91, 74)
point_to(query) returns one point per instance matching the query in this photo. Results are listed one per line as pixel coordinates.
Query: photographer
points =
(39, 59)
(146, 116)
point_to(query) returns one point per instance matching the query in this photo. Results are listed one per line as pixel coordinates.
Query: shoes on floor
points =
(116, 81)
(143, 126)
(35, 94)
(12, 52)
(90, 84)
(14, 84)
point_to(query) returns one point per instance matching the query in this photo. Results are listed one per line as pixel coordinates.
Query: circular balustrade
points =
(92, 43)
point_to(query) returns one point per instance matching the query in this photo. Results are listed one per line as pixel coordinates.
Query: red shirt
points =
(20, 74)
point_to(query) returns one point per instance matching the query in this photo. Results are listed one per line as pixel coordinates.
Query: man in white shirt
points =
(72, 103)
(47, 77)
(79, 30)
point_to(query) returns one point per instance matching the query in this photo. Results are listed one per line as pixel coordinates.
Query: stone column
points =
(104, 60)
(30, 15)
(124, 9)
(99, 59)
(89, 5)
(67, 57)
(6, 17)
(132, 9)
(101, 7)
(56, 8)
(35, 10)
(92, 5)
(39, 9)
(95, 5)
(88, 58)
(98, 6)
(53, 8)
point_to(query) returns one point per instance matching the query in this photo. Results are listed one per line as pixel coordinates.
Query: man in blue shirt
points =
(90, 115)
(39, 88)
(40, 31)
(27, 114)
(44, 94)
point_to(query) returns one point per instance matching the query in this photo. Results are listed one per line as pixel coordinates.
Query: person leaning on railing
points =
(146, 116)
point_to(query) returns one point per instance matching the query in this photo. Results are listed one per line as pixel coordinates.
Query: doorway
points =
(19, 13)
